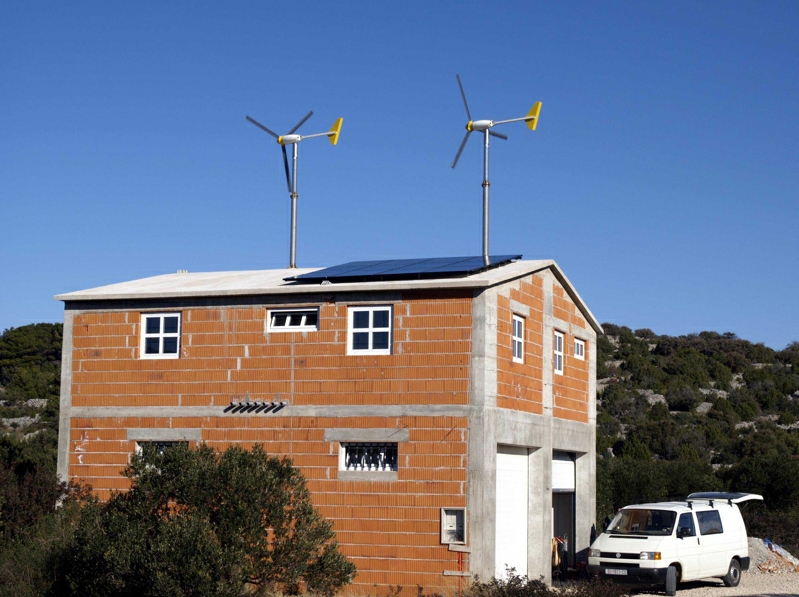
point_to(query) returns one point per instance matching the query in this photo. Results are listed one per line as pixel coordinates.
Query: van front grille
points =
(621, 556)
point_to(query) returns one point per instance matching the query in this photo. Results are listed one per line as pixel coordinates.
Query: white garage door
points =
(562, 472)
(511, 544)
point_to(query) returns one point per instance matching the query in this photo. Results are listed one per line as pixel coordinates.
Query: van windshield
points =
(640, 521)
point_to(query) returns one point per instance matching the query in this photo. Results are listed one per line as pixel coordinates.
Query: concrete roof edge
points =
(144, 290)
(575, 296)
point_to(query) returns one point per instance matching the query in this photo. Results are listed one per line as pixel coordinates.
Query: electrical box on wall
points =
(453, 525)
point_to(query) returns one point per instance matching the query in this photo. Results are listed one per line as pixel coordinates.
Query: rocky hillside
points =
(706, 411)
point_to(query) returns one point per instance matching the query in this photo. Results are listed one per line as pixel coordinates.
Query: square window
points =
(518, 339)
(453, 527)
(579, 349)
(160, 337)
(368, 456)
(293, 320)
(557, 346)
(373, 335)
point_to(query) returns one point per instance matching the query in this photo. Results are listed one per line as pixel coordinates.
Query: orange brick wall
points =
(376, 522)
(226, 354)
(520, 385)
(570, 390)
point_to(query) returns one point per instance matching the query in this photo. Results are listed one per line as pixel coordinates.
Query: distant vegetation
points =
(700, 412)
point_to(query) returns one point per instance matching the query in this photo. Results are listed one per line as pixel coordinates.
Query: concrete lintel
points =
(519, 308)
(367, 475)
(456, 573)
(366, 435)
(165, 435)
(571, 436)
(422, 410)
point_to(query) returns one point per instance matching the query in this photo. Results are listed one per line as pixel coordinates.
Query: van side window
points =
(687, 523)
(709, 522)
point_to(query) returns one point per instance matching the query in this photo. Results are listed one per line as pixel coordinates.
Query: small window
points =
(160, 338)
(370, 330)
(295, 320)
(160, 446)
(518, 339)
(579, 349)
(452, 525)
(709, 522)
(558, 353)
(368, 456)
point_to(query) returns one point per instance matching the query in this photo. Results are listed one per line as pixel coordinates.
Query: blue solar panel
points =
(404, 269)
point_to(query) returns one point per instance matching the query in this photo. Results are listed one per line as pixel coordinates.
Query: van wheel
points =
(733, 574)
(671, 581)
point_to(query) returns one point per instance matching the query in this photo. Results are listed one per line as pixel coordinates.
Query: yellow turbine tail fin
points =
(335, 131)
(532, 116)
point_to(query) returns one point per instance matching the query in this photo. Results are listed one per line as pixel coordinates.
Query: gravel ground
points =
(752, 585)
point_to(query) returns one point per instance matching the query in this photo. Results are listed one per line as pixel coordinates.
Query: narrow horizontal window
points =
(158, 446)
(160, 338)
(368, 456)
(294, 320)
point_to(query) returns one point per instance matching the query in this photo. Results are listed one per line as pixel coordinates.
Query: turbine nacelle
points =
(479, 125)
(289, 139)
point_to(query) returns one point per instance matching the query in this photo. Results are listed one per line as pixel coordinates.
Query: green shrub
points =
(198, 522)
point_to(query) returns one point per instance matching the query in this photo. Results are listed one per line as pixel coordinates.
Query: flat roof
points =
(272, 282)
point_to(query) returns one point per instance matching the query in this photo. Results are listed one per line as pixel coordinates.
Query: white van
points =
(669, 542)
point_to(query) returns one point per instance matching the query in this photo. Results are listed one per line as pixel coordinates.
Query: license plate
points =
(616, 571)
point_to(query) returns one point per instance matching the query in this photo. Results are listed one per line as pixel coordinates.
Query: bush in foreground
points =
(199, 522)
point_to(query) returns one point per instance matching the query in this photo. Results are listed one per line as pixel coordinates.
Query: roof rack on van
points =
(730, 497)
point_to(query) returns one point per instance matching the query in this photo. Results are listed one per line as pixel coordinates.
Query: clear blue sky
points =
(663, 176)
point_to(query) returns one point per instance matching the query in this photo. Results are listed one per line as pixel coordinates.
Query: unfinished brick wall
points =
(390, 529)
(570, 390)
(520, 385)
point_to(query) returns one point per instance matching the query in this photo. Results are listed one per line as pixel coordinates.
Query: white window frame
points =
(160, 335)
(517, 340)
(579, 349)
(557, 352)
(302, 312)
(342, 457)
(370, 330)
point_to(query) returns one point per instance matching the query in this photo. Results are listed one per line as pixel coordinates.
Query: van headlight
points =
(593, 553)
(649, 555)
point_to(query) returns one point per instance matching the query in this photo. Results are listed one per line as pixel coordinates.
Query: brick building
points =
(445, 422)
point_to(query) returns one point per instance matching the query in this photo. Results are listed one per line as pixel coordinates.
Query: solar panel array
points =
(404, 269)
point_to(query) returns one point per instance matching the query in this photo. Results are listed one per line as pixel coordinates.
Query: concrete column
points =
(481, 469)
(547, 360)
(539, 527)
(585, 498)
(65, 403)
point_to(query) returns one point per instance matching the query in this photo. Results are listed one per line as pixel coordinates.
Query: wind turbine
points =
(291, 180)
(485, 126)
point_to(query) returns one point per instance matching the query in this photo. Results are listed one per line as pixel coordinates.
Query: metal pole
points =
(486, 184)
(294, 197)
